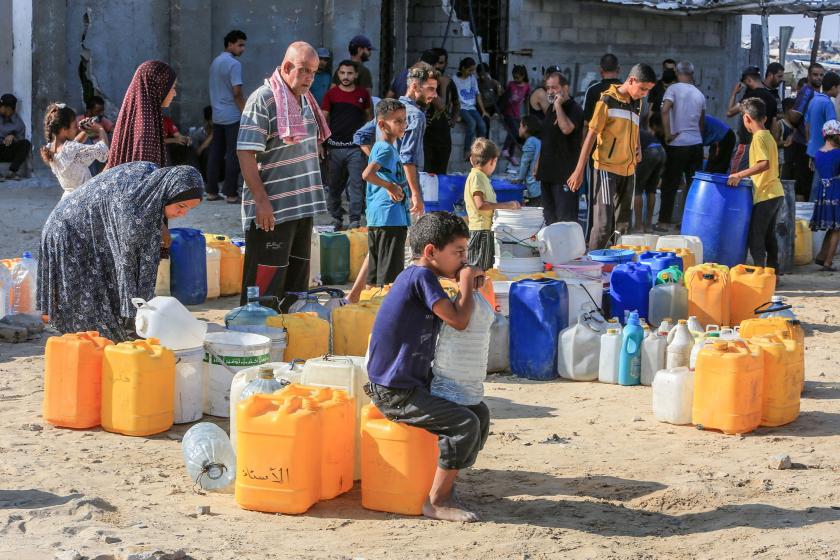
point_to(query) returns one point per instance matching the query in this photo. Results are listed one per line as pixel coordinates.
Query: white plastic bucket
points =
(580, 290)
(226, 353)
(515, 232)
(189, 385)
(561, 242)
(512, 267)
(277, 335)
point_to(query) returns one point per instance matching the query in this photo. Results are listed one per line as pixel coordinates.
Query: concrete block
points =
(711, 40)
(600, 22)
(568, 35)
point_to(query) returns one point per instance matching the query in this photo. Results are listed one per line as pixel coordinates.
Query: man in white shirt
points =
(683, 115)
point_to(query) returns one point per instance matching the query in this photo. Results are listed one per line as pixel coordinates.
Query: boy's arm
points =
(576, 178)
(365, 136)
(734, 106)
(457, 314)
(482, 204)
(759, 167)
(666, 119)
(369, 175)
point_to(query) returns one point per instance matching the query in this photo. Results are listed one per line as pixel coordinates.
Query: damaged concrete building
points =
(70, 49)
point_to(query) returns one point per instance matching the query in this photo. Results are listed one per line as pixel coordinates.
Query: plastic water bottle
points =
(25, 283)
(630, 360)
(308, 303)
(694, 325)
(251, 316)
(265, 384)
(609, 355)
(776, 308)
(665, 326)
(209, 456)
(680, 343)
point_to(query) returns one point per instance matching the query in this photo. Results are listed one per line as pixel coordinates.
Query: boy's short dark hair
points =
(773, 68)
(388, 107)
(643, 73)
(482, 151)
(830, 80)
(347, 62)
(609, 63)
(755, 108)
(93, 101)
(438, 229)
(533, 125)
(788, 103)
(669, 61)
(235, 36)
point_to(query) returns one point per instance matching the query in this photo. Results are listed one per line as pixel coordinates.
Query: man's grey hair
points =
(685, 67)
(421, 72)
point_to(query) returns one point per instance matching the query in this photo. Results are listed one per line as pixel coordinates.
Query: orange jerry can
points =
(73, 379)
(772, 325)
(278, 453)
(138, 388)
(352, 325)
(728, 388)
(782, 386)
(338, 436)
(398, 464)
(230, 268)
(751, 287)
(709, 294)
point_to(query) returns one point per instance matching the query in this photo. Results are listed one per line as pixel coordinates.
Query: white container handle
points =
(139, 302)
(141, 324)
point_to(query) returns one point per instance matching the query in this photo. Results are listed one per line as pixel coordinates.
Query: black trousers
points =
(437, 147)
(611, 206)
(386, 254)
(223, 149)
(797, 167)
(560, 204)
(461, 430)
(16, 153)
(720, 154)
(278, 261)
(681, 163)
(762, 239)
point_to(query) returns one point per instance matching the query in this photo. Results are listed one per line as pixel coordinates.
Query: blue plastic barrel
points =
(720, 216)
(660, 260)
(630, 286)
(450, 191)
(188, 266)
(539, 310)
(507, 191)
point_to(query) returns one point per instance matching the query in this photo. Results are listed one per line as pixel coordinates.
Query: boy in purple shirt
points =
(402, 347)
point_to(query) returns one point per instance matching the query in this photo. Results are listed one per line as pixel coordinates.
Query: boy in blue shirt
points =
(402, 347)
(387, 197)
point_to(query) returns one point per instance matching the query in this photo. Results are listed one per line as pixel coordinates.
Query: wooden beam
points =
(817, 31)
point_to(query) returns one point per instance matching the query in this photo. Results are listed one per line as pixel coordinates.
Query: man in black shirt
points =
(609, 76)
(751, 80)
(561, 142)
(668, 77)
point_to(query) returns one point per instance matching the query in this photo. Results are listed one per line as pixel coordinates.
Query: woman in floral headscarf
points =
(827, 207)
(138, 134)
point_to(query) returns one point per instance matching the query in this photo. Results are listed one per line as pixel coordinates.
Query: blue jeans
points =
(473, 127)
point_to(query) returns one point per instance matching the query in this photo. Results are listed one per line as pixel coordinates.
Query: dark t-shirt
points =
(363, 77)
(593, 94)
(559, 152)
(655, 96)
(766, 95)
(347, 111)
(402, 344)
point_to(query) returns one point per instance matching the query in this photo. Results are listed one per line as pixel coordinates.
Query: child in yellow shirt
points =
(480, 201)
(768, 194)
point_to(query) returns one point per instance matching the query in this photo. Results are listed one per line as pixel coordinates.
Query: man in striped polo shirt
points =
(279, 158)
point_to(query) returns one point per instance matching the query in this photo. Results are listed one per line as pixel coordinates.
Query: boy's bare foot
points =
(450, 510)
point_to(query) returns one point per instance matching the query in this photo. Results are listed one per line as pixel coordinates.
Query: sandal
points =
(213, 197)
(819, 262)
(828, 269)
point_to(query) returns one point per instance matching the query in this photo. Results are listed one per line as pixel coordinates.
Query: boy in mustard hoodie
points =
(615, 127)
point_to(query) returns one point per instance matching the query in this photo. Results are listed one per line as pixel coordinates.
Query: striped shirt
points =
(290, 172)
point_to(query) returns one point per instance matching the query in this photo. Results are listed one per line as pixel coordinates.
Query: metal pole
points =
(765, 41)
(817, 31)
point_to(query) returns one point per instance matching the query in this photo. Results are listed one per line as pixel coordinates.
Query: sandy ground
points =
(571, 470)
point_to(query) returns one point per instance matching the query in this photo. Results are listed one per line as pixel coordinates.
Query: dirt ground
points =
(571, 470)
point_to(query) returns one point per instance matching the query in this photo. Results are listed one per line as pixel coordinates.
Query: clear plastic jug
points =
(25, 285)
(654, 348)
(166, 319)
(498, 357)
(308, 303)
(776, 307)
(209, 456)
(250, 317)
(669, 300)
(578, 348)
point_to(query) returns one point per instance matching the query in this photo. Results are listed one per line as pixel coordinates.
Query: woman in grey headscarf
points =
(101, 245)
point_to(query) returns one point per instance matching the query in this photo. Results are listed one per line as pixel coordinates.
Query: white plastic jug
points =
(673, 395)
(209, 456)
(700, 342)
(225, 354)
(728, 333)
(690, 242)
(166, 318)
(694, 325)
(608, 356)
(214, 272)
(460, 363)
(667, 301)
(561, 242)
(665, 326)
(579, 348)
(654, 348)
(680, 343)
(189, 385)
(498, 356)
(162, 281)
(341, 372)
